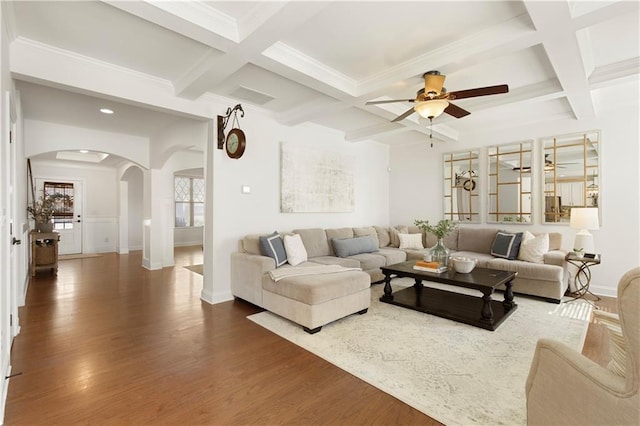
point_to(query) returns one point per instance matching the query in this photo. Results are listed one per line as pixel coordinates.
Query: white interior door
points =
(70, 228)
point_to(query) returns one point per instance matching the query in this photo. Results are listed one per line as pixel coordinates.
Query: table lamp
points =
(584, 219)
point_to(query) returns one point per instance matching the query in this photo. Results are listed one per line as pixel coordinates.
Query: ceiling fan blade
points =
(479, 91)
(405, 115)
(389, 101)
(456, 111)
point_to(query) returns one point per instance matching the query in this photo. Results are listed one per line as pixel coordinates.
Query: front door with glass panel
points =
(67, 216)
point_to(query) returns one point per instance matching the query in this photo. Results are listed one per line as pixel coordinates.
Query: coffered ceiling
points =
(321, 61)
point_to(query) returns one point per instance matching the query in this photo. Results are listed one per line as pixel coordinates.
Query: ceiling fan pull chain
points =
(431, 131)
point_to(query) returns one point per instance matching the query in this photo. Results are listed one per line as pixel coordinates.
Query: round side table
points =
(583, 276)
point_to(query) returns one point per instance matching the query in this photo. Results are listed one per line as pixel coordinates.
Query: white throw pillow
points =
(532, 248)
(296, 253)
(410, 241)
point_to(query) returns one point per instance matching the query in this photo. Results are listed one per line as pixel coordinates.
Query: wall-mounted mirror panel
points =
(571, 174)
(509, 178)
(461, 192)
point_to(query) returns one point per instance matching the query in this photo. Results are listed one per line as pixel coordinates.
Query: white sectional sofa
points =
(314, 297)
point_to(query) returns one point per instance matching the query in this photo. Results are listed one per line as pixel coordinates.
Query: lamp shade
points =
(431, 109)
(584, 218)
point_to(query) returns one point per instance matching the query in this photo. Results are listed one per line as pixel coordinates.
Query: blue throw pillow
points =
(273, 246)
(506, 245)
(345, 247)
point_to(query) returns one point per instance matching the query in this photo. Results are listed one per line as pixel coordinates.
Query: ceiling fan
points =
(548, 165)
(433, 99)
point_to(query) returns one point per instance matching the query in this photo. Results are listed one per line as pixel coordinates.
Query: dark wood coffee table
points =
(482, 312)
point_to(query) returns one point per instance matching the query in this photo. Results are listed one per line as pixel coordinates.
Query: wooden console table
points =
(44, 251)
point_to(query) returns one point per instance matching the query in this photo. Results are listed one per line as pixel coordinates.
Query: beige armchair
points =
(566, 388)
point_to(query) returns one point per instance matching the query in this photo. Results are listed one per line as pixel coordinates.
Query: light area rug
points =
(195, 268)
(455, 373)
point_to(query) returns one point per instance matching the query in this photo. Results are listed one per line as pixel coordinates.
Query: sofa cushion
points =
(369, 261)
(555, 240)
(478, 240)
(528, 270)
(506, 245)
(413, 254)
(315, 241)
(251, 244)
(532, 248)
(367, 230)
(273, 247)
(345, 247)
(333, 260)
(482, 258)
(393, 255)
(296, 253)
(410, 241)
(384, 238)
(450, 241)
(316, 289)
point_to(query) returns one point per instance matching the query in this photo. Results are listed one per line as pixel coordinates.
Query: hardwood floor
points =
(107, 341)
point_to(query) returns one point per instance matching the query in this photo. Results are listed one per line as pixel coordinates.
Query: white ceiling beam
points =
(605, 13)
(54, 67)
(200, 14)
(310, 110)
(275, 21)
(616, 73)
(213, 36)
(556, 29)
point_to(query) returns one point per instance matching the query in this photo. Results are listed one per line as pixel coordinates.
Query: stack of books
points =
(421, 265)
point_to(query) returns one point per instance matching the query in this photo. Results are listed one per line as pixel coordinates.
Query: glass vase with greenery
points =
(439, 252)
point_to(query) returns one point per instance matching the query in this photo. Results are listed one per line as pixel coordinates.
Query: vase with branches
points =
(439, 252)
(43, 209)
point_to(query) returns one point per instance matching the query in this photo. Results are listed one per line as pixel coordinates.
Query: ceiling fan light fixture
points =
(431, 109)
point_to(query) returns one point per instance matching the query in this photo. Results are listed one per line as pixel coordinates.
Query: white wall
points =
(416, 187)
(133, 178)
(236, 214)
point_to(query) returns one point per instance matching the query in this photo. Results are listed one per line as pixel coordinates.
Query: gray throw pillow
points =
(345, 247)
(273, 246)
(506, 245)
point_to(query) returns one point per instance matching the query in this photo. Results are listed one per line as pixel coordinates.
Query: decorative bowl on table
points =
(463, 265)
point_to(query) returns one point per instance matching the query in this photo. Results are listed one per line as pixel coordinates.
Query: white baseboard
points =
(603, 291)
(212, 299)
(188, 244)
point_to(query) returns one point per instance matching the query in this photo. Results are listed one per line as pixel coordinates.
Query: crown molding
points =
(36, 45)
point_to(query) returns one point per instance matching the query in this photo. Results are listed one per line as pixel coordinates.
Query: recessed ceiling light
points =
(84, 151)
(106, 111)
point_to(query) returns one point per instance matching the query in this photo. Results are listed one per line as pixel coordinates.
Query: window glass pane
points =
(198, 190)
(182, 188)
(198, 214)
(183, 213)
